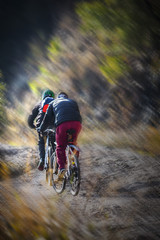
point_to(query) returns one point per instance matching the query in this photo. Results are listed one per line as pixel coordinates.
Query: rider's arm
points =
(33, 116)
(48, 118)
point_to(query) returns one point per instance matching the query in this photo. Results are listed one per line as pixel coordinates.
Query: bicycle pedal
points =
(55, 172)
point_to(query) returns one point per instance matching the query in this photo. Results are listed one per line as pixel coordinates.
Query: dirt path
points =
(120, 191)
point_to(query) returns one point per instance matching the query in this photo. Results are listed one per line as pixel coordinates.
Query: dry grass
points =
(21, 221)
(53, 218)
(143, 139)
(47, 219)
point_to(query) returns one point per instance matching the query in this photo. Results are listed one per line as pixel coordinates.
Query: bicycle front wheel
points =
(75, 175)
(49, 170)
(50, 166)
(58, 185)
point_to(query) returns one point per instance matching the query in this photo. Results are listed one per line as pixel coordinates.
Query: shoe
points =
(61, 173)
(41, 165)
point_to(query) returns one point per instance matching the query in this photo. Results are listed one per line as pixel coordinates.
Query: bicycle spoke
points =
(75, 175)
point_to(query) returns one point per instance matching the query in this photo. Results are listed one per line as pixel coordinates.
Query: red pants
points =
(61, 139)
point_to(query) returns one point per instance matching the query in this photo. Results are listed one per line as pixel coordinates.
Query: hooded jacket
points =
(61, 110)
(38, 112)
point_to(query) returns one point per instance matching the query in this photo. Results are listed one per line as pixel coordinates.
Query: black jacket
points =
(38, 112)
(61, 110)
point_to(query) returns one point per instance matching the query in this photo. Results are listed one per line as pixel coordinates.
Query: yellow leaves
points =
(54, 48)
(34, 87)
(4, 170)
(105, 71)
(45, 80)
(91, 15)
(113, 68)
(1, 74)
(2, 85)
(43, 70)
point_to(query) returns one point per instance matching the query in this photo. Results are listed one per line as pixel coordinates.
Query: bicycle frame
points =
(70, 151)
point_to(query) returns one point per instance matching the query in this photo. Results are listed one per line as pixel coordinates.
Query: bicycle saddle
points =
(71, 131)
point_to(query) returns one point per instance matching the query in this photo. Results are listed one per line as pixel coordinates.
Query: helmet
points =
(63, 95)
(47, 93)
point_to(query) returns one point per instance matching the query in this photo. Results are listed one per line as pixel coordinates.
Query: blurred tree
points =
(128, 36)
(123, 30)
(2, 104)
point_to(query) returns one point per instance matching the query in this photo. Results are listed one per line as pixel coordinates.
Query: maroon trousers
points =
(61, 139)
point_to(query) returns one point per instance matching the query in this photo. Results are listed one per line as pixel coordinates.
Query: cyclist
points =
(64, 112)
(37, 115)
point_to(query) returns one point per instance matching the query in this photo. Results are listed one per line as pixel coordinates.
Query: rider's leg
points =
(61, 139)
(77, 127)
(41, 145)
(52, 139)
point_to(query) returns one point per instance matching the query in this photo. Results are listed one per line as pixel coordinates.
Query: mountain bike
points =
(49, 151)
(72, 175)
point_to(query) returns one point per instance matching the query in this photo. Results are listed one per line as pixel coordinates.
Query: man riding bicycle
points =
(38, 114)
(65, 115)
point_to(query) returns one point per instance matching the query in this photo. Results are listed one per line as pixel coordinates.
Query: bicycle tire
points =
(47, 172)
(50, 152)
(75, 177)
(59, 185)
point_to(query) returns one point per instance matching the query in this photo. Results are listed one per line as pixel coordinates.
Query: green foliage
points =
(130, 20)
(113, 67)
(122, 29)
(45, 80)
(46, 77)
(54, 48)
(34, 87)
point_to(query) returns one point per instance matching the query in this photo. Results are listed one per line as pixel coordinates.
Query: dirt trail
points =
(120, 190)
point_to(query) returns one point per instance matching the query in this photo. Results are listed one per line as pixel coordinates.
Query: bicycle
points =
(72, 174)
(49, 151)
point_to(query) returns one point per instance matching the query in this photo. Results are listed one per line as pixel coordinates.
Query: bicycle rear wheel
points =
(49, 170)
(58, 185)
(75, 175)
